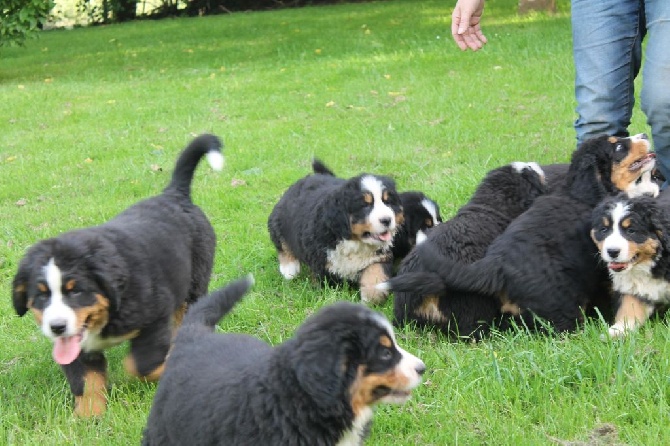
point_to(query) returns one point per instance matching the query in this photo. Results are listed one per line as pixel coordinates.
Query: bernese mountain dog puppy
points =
(317, 388)
(341, 229)
(130, 278)
(503, 194)
(632, 236)
(421, 215)
(544, 265)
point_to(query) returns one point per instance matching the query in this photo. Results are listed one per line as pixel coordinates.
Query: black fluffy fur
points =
(501, 196)
(417, 218)
(147, 262)
(237, 390)
(545, 262)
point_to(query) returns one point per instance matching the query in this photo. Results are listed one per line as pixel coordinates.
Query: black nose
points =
(58, 327)
(421, 368)
(386, 221)
(613, 252)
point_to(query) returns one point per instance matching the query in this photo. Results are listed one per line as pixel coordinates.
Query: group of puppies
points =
(536, 246)
(143, 277)
(591, 239)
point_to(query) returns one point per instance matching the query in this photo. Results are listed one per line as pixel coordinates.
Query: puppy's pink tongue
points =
(66, 349)
(386, 236)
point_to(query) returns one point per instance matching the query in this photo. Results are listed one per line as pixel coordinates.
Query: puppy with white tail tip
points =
(129, 279)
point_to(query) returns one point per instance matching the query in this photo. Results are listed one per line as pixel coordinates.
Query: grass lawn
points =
(91, 120)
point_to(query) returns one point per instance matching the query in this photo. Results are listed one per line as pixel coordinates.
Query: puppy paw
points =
(289, 270)
(374, 295)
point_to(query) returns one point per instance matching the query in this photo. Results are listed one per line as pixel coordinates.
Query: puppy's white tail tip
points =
(383, 286)
(215, 159)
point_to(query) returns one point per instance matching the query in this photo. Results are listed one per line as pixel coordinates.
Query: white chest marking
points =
(350, 257)
(638, 281)
(354, 436)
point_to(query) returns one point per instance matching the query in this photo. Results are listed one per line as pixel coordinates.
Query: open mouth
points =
(645, 163)
(382, 237)
(67, 349)
(617, 267)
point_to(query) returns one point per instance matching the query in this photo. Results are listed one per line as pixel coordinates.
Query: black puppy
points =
(502, 195)
(341, 229)
(545, 264)
(317, 388)
(127, 279)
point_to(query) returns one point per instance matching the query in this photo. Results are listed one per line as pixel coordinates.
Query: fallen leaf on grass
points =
(22, 202)
(237, 182)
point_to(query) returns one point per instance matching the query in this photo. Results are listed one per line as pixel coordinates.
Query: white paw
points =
(289, 270)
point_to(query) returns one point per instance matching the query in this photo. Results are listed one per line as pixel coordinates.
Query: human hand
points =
(465, 27)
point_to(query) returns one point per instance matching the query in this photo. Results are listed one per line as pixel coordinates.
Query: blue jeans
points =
(607, 47)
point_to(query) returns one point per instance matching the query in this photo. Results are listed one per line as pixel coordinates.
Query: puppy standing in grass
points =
(341, 229)
(317, 388)
(130, 278)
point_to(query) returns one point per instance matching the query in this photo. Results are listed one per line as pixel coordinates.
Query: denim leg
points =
(607, 49)
(655, 95)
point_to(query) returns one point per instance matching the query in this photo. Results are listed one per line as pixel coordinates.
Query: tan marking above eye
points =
(367, 197)
(42, 287)
(20, 289)
(612, 139)
(429, 222)
(606, 221)
(385, 341)
(385, 195)
(626, 223)
(69, 285)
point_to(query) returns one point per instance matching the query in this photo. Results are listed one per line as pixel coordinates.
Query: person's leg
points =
(607, 36)
(655, 95)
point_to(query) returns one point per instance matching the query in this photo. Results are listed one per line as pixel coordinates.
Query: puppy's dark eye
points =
(386, 354)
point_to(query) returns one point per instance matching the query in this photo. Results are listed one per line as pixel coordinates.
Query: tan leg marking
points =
(632, 313)
(93, 402)
(371, 276)
(131, 369)
(430, 309)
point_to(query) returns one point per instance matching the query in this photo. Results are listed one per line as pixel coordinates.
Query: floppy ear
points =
(336, 216)
(20, 287)
(108, 270)
(322, 368)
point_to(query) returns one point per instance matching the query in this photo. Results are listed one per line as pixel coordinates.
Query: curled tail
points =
(210, 309)
(204, 145)
(440, 274)
(320, 168)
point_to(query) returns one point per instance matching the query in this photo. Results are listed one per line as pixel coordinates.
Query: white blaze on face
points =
(56, 312)
(380, 211)
(430, 207)
(59, 321)
(616, 241)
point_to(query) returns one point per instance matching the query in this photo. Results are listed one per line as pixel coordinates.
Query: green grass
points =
(91, 120)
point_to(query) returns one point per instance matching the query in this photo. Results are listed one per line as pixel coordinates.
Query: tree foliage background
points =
(19, 19)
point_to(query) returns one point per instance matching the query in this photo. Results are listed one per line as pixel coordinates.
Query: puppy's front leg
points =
(148, 351)
(87, 376)
(371, 276)
(631, 314)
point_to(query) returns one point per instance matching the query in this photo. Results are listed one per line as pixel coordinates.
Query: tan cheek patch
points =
(599, 244)
(399, 218)
(646, 251)
(95, 316)
(430, 309)
(363, 387)
(358, 229)
(622, 177)
(37, 314)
